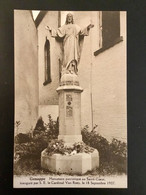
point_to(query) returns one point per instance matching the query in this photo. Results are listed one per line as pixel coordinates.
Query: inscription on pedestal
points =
(69, 108)
(68, 97)
(69, 111)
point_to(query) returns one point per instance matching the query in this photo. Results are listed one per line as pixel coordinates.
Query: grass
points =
(32, 166)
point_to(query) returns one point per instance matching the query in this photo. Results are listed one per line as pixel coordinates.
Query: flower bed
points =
(58, 147)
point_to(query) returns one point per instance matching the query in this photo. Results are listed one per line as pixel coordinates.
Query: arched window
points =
(47, 63)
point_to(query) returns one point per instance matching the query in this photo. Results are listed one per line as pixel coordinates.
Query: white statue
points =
(71, 34)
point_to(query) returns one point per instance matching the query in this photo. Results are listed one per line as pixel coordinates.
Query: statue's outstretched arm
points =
(52, 31)
(85, 31)
(90, 26)
(56, 33)
(47, 27)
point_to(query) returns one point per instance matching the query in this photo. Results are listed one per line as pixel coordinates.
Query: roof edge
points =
(40, 17)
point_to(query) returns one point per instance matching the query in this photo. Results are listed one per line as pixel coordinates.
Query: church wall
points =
(109, 88)
(47, 93)
(48, 97)
(26, 70)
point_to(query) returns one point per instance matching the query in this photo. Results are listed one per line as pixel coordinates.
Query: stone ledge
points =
(70, 87)
(118, 40)
(78, 163)
(69, 83)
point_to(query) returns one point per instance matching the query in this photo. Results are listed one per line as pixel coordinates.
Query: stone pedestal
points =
(69, 93)
(69, 109)
(78, 164)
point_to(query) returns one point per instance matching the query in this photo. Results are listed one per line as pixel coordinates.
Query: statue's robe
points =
(72, 36)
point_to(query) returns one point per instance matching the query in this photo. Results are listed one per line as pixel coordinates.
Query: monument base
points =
(70, 139)
(78, 163)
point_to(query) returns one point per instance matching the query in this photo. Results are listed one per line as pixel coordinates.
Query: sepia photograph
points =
(70, 118)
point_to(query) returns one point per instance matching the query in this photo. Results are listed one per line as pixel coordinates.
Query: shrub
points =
(112, 156)
(118, 155)
(27, 148)
(22, 138)
(27, 166)
(118, 148)
(52, 127)
(49, 130)
(96, 141)
(40, 125)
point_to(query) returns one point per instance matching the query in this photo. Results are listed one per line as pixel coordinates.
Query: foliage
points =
(40, 125)
(113, 156)
(118, 148)
(29, 166)
(57, 146)
(30, 147)
(27, 149)
(22, 138)
(81, 147)
(96, 141)
(52, 127)
(49, 130)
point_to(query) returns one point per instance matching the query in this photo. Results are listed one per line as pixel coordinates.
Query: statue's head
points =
(69, 18)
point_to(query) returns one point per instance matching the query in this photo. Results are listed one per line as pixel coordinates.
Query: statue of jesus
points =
(71, 34)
